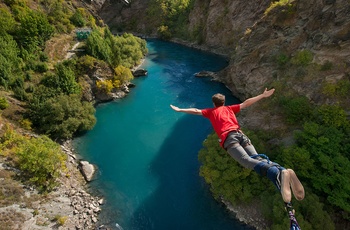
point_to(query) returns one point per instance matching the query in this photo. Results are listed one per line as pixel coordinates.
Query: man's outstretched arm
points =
(252, 100)
(193, 111)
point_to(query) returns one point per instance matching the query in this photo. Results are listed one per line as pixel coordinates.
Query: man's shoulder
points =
(234, 107)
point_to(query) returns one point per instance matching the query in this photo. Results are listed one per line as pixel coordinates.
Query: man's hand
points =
(177, 109)
(268, 93)
(253, 100)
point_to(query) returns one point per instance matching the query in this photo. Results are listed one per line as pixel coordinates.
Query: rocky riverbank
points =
(69, 206)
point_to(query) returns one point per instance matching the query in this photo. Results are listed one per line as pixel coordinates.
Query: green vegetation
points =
(324, 147)
(295, 109)
(40, 159)
(78, 19)
(3, 103)
(339, 89)
(320, 156)
(50, 92)
(62, 116)
(60, 220)
(282, 60)
(278, 3)
(302, 58)
(169, 17)
(126, 50)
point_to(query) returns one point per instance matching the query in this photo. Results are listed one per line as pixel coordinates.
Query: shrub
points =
(296, 109)
(40, 159)
(63, 80)
(340, 89)
(78, 19)
(282, 60)
(326, 66)
(104, 85)
(275, 4)
(123, 74)
(302, 58)
(61, 220)
(26, 124)
(3, 103)
(164, 32)
(62, 116)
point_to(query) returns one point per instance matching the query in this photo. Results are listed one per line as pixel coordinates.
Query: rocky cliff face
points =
(253, 39)
(321, 27)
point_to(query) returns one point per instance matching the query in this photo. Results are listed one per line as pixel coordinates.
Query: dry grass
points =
(57, 47)
(11, 191)
(11, 220)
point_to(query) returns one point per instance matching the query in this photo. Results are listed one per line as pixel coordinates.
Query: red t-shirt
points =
(223, 120)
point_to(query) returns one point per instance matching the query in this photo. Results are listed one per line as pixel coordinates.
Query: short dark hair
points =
(218, 99)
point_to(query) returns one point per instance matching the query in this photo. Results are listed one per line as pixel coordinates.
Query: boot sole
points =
(297, 187)
(285, 186)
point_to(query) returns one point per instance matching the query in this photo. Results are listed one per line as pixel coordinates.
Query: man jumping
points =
(238, 145)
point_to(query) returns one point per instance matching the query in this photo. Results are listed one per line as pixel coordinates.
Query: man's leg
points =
(297, 187)
(295, 184)
(238, 153)
(279, 176)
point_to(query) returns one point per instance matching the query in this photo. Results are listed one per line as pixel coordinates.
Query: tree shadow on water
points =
(182, 200)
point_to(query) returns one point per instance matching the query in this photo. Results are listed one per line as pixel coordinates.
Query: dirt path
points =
(70, 54)
(57, 47)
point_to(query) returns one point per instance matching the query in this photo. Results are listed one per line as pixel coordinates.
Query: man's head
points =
(218, 99)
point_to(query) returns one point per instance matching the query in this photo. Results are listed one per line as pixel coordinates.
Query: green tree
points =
(62, 116)
(321, 155)
(10, 63)
(7, 22)
(126, 50)
(78, 19)
(33, 31)
(97, 47)
(123, 74)
(63, 80)
(296, 109)
(115, 48)
(132, 49)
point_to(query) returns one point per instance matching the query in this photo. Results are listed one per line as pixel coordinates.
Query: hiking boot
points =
(281, 179)
(297, 187)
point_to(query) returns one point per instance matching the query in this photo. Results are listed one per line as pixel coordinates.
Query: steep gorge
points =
(300, 47)
(253, 39)
(264, 40)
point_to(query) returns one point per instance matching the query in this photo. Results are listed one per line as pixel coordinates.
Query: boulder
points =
(139, 72)
(206, 74)
(87, 169)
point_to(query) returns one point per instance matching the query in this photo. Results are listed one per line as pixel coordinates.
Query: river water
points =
(146, 153)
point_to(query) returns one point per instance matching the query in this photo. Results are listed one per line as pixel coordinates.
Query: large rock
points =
(209, 74)
(87, 169)
(139, 72)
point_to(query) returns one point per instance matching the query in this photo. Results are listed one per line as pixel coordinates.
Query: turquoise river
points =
(147, 154)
